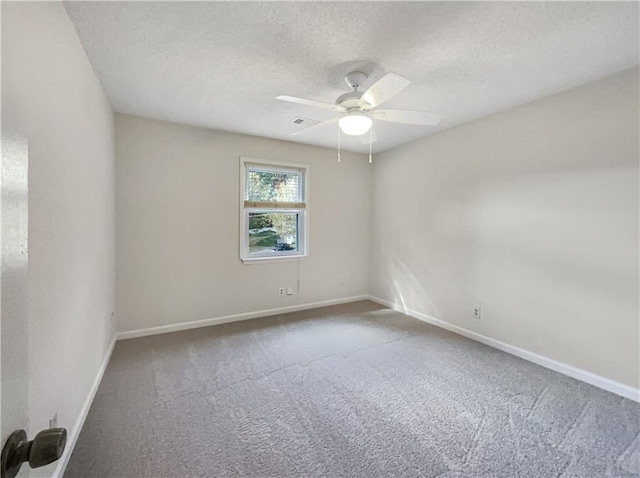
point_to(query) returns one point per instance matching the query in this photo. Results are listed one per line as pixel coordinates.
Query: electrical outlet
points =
(289, 290)
(281, 291)
(53, 422)
(477, 312)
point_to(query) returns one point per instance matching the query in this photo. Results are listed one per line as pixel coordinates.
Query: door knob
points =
(45, 448)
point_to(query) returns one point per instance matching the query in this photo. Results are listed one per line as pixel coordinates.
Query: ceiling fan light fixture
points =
(355, 124)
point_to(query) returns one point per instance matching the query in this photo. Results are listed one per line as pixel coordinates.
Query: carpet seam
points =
(307, 364)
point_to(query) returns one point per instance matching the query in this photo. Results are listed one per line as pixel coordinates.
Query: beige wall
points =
(531, 214)
(52, 100)
(178, 192)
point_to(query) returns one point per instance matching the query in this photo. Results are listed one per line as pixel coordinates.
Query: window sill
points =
(270, 259)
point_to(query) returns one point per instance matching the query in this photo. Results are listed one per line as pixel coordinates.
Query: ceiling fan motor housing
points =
(350, 100)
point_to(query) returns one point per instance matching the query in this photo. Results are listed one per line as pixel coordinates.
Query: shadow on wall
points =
(418, 273)
(551, 258)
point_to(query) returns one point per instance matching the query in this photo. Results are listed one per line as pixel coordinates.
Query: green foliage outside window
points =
(273, 186)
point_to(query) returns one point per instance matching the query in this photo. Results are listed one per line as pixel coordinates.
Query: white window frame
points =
(303, 215)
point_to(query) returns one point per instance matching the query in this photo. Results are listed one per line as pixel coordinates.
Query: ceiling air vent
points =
(305, 122)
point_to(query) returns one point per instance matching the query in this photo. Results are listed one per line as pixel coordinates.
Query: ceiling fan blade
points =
(364, 138)
(407, 116)
(384, 89)
(316, 126)
(304, 101)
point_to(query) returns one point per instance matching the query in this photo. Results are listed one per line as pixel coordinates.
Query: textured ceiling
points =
(221, 64)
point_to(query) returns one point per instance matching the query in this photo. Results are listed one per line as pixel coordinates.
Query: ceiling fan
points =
(357, 110)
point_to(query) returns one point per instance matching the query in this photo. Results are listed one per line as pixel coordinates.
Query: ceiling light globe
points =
(355, 125)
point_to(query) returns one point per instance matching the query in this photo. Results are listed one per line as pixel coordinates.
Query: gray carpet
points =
(347, 391)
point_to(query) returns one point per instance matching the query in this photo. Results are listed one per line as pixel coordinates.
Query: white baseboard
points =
(72, 436)
(563, 368)
(163, 329)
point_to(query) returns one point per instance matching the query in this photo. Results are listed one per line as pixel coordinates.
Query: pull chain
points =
(370, 134)
(338, 143)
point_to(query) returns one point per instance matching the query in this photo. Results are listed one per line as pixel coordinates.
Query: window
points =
(273, 210)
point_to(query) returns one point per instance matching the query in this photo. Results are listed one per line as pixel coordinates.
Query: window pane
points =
(265, 185)
(273, 232)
